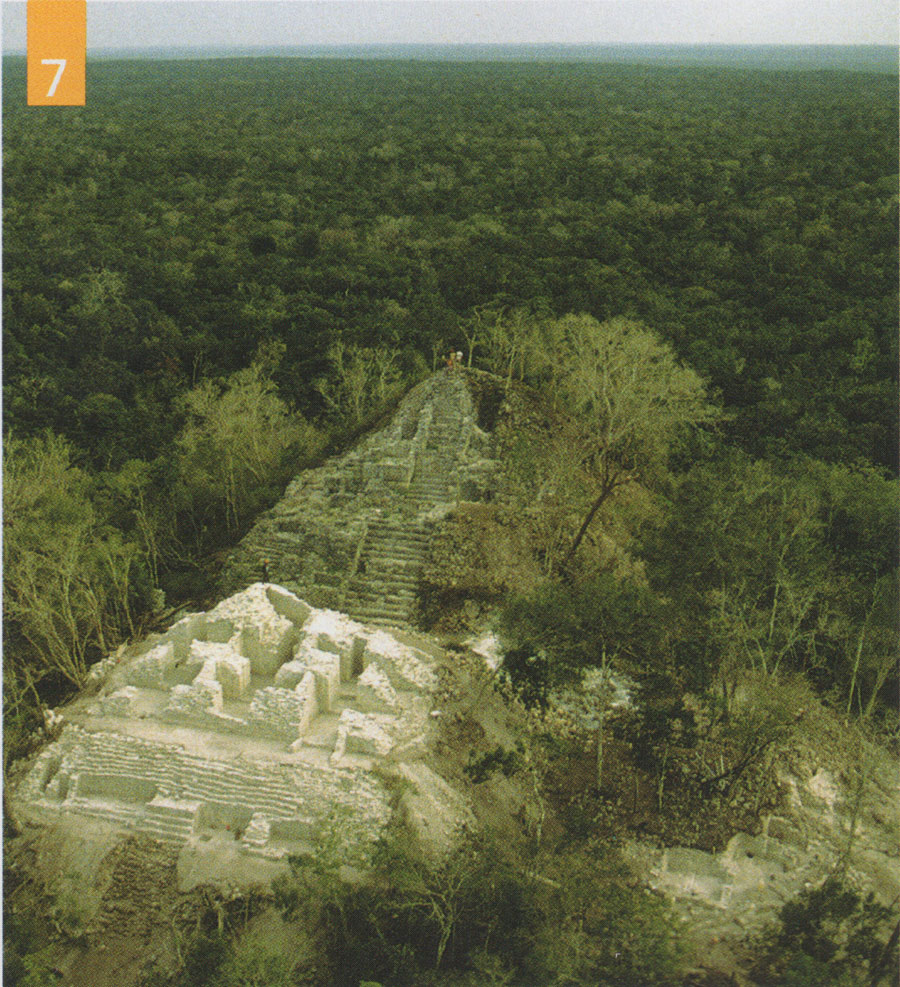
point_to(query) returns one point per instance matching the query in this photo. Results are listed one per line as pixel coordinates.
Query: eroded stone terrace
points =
(258, 722)
(352, 535)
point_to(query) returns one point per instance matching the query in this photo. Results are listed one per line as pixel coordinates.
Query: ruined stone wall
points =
(258, 722)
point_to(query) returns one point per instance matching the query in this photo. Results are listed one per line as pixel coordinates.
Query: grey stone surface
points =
(374, 692)
(120, 703)
(284, 713)
(153, 668)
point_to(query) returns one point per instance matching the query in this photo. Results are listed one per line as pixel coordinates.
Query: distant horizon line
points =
(493, 44)
(878, 59)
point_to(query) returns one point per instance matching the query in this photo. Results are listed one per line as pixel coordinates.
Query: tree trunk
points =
(10, 821)
(605, 491)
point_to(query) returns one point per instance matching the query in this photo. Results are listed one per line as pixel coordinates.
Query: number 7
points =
(61, 62)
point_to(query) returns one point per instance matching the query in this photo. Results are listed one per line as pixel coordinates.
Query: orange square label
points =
(57, 45)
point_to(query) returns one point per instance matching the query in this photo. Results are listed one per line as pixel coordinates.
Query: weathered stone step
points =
(382, 544)
(397, 531)
(389, 568)
(367, 615)
(387, 576)
(387, 547)
(108, 755)
(402, 586)
(382, 562)
(164, 829)
(392, 600)
(394, 603)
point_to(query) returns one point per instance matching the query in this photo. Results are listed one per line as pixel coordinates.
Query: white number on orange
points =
(61, 62)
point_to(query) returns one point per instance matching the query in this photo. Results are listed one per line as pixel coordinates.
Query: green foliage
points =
(145, 250)
(830, 935)
(362, 379)
(70, 578)
(232, 448)
(600, 928)
(774, 567)
(556, 634)
(480, 916)
(27, 954)
(149, 255)
(253, 961)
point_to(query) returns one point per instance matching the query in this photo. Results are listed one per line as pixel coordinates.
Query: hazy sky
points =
(134, 23)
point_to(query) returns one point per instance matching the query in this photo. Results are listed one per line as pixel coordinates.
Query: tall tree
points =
(633, 396)
(236, 435)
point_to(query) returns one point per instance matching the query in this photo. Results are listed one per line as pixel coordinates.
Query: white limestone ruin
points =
(255, 723)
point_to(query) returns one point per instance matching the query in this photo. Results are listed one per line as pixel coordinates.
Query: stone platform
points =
(257, 723)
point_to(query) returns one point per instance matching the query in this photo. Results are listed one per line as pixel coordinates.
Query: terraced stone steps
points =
(384, 589)
(118, 778)
(351, 533)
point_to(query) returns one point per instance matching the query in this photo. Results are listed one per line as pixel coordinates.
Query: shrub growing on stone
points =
(830, 936)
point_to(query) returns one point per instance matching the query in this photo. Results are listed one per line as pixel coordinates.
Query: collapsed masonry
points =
(353, 534)
(257, 723)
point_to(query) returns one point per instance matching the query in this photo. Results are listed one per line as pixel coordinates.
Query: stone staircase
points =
(383, 591)
(157, 789)
(353, 535)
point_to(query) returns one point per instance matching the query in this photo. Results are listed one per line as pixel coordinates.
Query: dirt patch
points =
(476, 721)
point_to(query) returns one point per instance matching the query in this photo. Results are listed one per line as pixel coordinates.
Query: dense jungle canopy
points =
(217, 267)
(194, 209)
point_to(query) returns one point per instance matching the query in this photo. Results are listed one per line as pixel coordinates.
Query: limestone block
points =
(288, 606)
(693, 873)
(206, 677)
(375, 692)
(293, 830)
(758, 851)
(260, 633)
(193, 701)
(436, 812)
(329, 630)
(114, 786)
(257, 832)
(208, 692)
(326, 667)
(218, 630)
(58, 787)
(182, 633)
(217, 720)
(404, 666)
(284, 712)
(364, 734)
(199, 653)
(120, 703)
(305, 691)
(290, 673)
(233, 672)
(150, 670)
